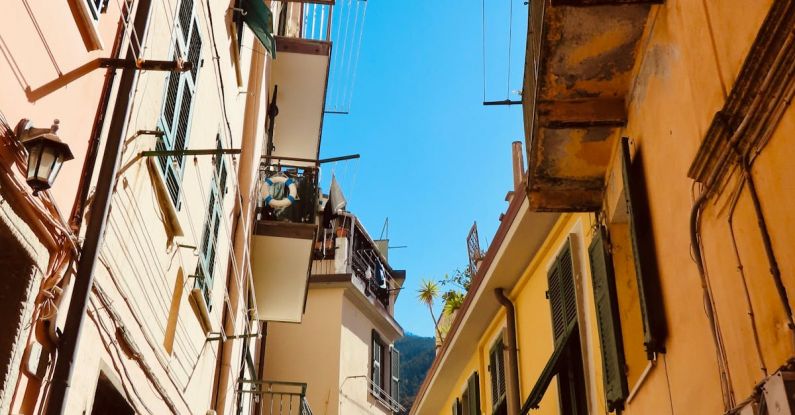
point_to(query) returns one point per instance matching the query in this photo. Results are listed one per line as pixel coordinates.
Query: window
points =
(563, 302)
(497, 370)
(376, 364)
(96, 7)
(470, 400)
(180, 90)
(458, 408)
(566, 360)
(205, 271)
(394, 360)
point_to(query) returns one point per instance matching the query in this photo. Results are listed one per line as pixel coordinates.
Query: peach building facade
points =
(179, 297)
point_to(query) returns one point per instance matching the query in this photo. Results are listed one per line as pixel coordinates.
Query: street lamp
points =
(46, 153)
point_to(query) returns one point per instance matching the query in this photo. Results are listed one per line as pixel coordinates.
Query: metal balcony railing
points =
(362, 258)
(309, 19)
(385, 398)
(287, 193)
(278, 398)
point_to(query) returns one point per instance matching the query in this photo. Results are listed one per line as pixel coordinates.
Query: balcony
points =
(283, 238)
(299, 77)
(278, 398)
(345, 249)
(579, 66)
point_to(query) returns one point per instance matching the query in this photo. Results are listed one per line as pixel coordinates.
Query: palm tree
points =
(429, 291)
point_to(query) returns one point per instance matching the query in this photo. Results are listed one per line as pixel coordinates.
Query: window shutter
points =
(178, 98)
(649, 293)
(608, 321)
(473, 392)
(395, 374)
(457, 407)
(562, 293)
(497, 367)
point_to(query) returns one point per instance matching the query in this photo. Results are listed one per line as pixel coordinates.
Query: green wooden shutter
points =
(497, 368)
(178, 97)
(395, 373)
(608, 321)
(649, 292)
(562, 292)
(473, 393)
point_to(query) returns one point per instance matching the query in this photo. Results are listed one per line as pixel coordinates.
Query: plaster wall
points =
(355, 354)
(305, 352)
(146, 268)
(691, 57)
(41, 40)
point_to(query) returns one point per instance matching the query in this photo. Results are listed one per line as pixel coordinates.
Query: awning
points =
(259, 19)
(550, 370)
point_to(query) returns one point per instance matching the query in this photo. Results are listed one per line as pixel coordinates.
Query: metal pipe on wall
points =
(513, 355)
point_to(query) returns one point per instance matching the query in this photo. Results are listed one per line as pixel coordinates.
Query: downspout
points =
(76, 216)
(513, 355)
(95, 230)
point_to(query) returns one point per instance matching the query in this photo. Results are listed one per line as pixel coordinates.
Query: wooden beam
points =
(305, 46)
(582, 113)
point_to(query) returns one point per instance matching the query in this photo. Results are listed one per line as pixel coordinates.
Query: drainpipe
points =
(513, 355)
(95, 230)
(76, 217)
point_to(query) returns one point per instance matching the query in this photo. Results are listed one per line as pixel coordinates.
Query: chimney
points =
(518, 165)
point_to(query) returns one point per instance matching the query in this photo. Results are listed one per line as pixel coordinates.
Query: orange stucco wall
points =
(39, 41)
(691, 57)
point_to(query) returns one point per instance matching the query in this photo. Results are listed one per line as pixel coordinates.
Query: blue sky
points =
(434, 159)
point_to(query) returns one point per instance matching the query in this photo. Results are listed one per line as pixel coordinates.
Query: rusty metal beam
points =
(582, 113)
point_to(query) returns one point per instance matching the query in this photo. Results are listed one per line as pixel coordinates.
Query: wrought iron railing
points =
(278, 398)
(287, 193)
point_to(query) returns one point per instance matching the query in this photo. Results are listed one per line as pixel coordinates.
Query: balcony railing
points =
(360, 257)
(309, 20)
(385, 398)
(278, 398)
(287, 193)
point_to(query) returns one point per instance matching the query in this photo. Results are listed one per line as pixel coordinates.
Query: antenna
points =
(385, 229)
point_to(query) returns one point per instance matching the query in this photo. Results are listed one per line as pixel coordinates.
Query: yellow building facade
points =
(668, 126)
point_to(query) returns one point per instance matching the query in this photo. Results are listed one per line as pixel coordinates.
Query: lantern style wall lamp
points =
(46, 153)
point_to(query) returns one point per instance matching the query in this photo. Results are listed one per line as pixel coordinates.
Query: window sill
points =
(86, 25)
(171, 218)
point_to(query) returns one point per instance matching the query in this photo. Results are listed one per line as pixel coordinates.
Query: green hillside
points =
(416, 356)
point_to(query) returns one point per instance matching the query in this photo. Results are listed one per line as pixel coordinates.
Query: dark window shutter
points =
(473, 392)
(608, 321)
(395, 374)
(457, 407)
(497, 369)
(562, 293)
(649, 292)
